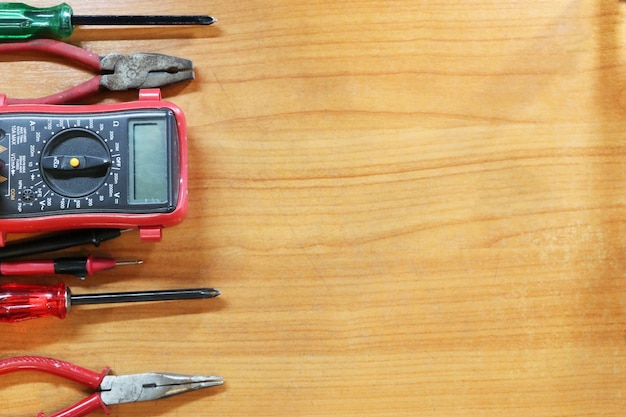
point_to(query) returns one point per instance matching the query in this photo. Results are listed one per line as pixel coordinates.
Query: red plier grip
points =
(65, 370)
(63, 50)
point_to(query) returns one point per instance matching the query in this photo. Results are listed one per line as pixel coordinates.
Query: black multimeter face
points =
(114, 162)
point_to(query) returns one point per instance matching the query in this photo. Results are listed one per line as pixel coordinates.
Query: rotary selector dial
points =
(75, 162)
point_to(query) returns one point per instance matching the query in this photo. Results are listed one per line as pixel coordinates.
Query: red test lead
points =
(79, 266)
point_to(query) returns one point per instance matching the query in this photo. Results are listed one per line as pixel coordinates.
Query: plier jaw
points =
(123, 389)
(143, 70)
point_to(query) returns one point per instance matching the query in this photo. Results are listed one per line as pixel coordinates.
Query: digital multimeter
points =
(120, 165)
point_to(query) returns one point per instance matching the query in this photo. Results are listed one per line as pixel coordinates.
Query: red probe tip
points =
(101, 264)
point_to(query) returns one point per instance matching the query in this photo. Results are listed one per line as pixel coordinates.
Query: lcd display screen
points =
(149, 167)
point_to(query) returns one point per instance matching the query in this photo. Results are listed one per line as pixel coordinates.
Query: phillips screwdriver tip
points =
(210, 292)
(205, 20)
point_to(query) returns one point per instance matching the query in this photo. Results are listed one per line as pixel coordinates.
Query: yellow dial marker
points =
(74, 162)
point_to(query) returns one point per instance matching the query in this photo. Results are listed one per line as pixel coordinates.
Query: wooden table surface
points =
(411, 209)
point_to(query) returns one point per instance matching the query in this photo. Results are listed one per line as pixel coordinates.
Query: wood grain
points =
(411, 208)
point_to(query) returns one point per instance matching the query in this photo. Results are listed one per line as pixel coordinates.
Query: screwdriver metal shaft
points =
(143, 20)
(143, 296)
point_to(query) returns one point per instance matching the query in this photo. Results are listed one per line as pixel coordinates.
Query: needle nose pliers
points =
(110, 389)
(116, 72)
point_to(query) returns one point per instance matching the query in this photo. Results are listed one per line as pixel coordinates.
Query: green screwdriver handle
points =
(21, 21)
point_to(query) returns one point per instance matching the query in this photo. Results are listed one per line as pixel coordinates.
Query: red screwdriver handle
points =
(65, 370)
(19, 302)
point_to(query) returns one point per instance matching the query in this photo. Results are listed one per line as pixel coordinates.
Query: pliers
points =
(110, 389)
(117, 72)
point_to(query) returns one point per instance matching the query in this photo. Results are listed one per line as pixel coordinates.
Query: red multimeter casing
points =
(121, 165)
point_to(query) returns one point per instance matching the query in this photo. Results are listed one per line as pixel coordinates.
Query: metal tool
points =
(78, 266)
(21, 21)
(117, 72)
(110, 389)
(19, 302)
